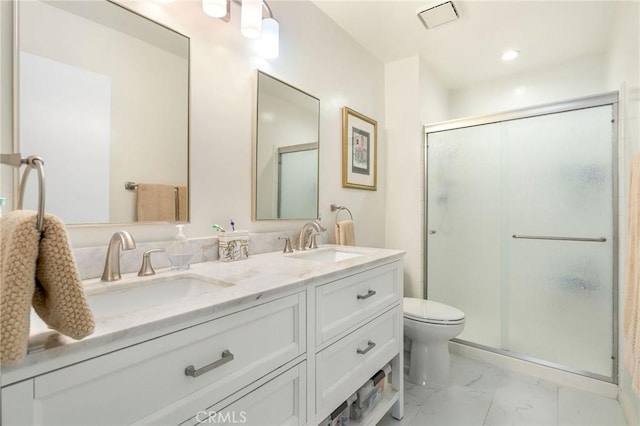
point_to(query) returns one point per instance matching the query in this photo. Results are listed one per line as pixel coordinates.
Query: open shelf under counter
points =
(377, 412)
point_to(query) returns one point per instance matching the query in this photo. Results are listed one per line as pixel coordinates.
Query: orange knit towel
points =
(41, 272)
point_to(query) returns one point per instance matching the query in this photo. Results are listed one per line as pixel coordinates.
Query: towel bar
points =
(536, 237)
(335, 207)
(130, 186)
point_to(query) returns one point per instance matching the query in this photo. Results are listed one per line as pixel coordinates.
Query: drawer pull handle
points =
(366, 296)
(370, 345)
(191, 370)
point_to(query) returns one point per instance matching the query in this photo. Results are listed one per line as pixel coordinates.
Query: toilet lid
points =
(430, 311)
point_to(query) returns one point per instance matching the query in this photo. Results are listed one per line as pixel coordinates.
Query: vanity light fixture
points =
(256, 22)
(269, 41)
(251, 18)
(510, 55)
(215, 8)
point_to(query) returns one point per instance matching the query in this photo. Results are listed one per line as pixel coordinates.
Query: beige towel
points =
(156, 202)
(41, 272)
(345, 233)
(631, 317)
(182, 204)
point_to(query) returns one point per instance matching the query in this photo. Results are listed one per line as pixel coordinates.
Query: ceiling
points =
(468, 50)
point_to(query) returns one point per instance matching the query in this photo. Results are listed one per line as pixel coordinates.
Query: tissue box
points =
(233, 245)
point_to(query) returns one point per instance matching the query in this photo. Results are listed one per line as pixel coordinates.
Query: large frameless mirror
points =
(285, 152)
(103, 98)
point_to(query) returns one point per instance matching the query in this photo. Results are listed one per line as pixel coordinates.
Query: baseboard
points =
(564, 378)
(627, 404)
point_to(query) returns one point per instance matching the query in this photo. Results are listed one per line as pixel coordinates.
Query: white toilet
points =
(430, 325)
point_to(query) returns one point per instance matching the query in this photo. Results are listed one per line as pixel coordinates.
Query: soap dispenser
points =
(180, 252)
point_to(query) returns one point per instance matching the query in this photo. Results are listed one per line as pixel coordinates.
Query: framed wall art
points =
(359, 150)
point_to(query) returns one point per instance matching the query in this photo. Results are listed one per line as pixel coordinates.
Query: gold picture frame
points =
(359, 150)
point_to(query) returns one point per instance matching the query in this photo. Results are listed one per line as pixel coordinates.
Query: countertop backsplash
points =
(90, 260)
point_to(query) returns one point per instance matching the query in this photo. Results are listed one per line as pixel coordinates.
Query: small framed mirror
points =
(285, 183)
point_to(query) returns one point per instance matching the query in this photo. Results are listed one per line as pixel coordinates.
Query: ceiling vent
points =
(439, 14)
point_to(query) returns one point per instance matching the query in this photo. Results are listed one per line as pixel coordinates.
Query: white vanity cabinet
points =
(277, 399)
(147, 383)
(358, 330)
(290, 358)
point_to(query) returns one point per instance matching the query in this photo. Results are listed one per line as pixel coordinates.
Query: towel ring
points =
(34, 162)
(335, 207)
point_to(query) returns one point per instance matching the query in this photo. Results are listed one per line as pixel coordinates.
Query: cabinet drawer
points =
(343, 303)
(144, 380)
(16, 404)
(280, 401)
(345, 365)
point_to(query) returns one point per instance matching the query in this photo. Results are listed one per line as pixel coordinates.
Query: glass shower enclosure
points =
(521, 232)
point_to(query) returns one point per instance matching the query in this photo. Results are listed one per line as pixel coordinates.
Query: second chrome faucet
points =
(302, 239)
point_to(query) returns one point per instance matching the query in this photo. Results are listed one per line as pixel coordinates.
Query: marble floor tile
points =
(422, 392)
(577, 407)
(475, 374)
(412, 405)
(454, 406)
(523, 400)
(481, 394)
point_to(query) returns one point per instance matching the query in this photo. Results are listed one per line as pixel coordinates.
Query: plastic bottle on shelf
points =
(180, 252)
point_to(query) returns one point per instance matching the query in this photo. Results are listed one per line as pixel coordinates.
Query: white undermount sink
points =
(116, 299)
(325, 255)
(111, 300)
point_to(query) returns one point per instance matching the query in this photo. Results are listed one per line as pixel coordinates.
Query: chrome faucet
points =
(121, 239)
(302, 239)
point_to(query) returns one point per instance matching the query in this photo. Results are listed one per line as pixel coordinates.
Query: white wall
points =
(573, 79)
(414, 97)
(623, 74)
(403, 131)
(316, 56)
(434, 96)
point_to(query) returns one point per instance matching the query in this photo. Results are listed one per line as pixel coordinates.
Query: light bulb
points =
(215, 8)
(510, 55)
(269, 43)
(251, 18)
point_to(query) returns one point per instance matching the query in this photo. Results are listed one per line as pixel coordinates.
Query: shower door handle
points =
(537, 237)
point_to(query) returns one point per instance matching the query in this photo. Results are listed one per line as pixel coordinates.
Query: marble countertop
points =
(258, 277)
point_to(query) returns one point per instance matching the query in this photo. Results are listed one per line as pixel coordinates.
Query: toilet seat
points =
(431, 312)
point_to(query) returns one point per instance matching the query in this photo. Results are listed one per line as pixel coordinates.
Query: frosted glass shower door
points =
(559, 269)
(520, 235)
(463, 237)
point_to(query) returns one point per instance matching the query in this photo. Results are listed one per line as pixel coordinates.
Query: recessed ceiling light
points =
(510, 55)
